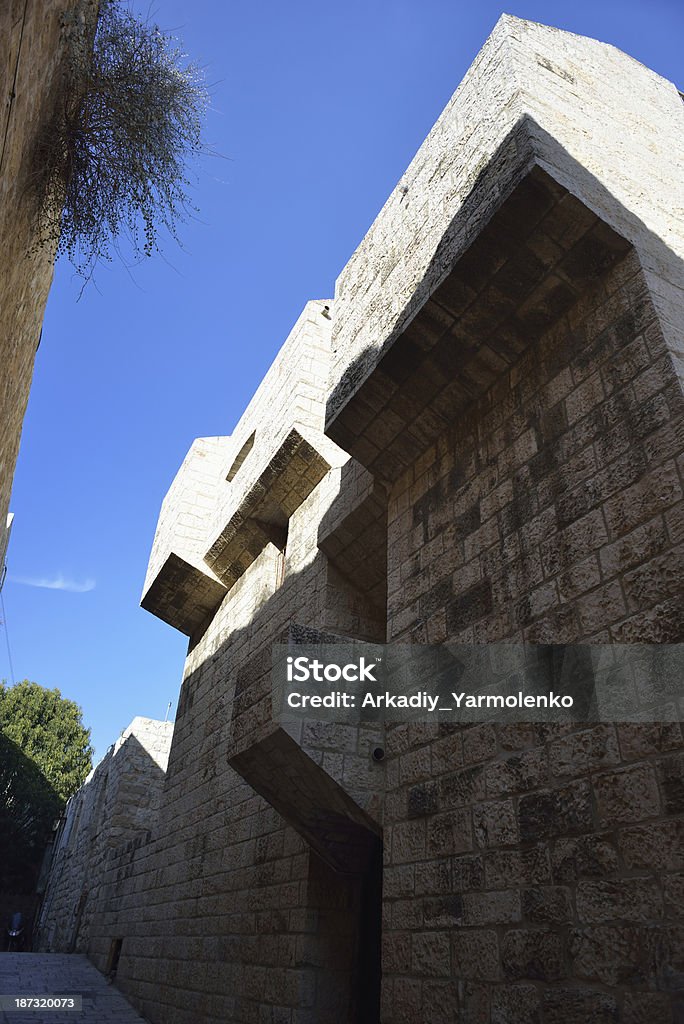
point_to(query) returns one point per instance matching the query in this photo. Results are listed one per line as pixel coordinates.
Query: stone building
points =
(479, 440)
(115, 807)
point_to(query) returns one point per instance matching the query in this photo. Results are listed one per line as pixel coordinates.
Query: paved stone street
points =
(34, 974)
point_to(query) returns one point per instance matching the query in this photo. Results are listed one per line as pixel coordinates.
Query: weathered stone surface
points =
(463, 787)
(516, 1004)
(658, 846)
(634, 899)
(647, 1008)
(533, 954)
(629, 795)
(670, 774)
(475, 955)
(589, 856)
(547, 905)
(505, 868)
(640, 740)
(495, 824)
(491, 908)
(579, 1006)
(674, 894)
(449, 833)
(555, 813)
(584, 751)
(431, 955)
(611, 955)
(517, 774)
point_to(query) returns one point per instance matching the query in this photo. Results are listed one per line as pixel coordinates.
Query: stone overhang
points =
(525, 269)
(234, 495)
(180, 588)
(507, 211)
(336, 802)
(353, 533)
(183, 594)
(288, 477)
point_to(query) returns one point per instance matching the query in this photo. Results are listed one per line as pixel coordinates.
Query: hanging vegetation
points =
(114, 160)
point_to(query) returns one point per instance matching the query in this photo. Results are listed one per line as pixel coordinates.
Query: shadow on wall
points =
(29, 806)
(281, 894)
(115, 808)
(472, 304)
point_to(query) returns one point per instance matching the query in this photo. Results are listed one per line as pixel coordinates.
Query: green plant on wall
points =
(114, 158)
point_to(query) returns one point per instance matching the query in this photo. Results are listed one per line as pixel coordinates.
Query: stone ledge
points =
(335, 805)
(309, 799)
(179, 588)
(294, 470)
(353, 533)
(183, 595)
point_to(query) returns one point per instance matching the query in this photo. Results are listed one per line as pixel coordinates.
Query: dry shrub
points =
(114, 159)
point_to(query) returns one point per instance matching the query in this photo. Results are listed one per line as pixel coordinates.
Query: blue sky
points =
(318, 108)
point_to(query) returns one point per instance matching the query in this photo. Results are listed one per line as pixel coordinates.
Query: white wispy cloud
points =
(58, 582)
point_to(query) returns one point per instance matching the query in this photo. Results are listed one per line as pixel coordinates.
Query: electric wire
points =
(9, 652)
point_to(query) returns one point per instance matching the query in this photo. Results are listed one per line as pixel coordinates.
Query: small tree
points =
(29, 806)
(48, 730)
(45, 755)
(114, 158)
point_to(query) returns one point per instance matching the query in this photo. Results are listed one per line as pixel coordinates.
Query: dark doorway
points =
(346, 948)
(113, 958)
(370, 941)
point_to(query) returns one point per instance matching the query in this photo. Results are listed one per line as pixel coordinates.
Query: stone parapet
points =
(533, 96)
(118, 803)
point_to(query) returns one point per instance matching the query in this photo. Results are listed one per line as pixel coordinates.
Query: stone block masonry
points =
(117, 806)
(479, 440)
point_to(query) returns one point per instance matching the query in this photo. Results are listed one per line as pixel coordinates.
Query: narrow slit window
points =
(282, 555)
(113, 959)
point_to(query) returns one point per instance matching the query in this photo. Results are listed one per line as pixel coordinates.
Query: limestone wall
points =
(117, 804)
(552, 512)
(531, 870)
